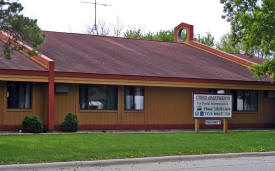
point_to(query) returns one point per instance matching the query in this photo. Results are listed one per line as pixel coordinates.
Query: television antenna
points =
(94, 29)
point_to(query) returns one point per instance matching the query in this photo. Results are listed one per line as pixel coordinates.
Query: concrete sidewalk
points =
(74, 165)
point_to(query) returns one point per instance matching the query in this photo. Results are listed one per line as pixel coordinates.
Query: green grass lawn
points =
(83, 146)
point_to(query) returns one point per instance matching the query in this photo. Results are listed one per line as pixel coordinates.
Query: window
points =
(134, 98)
(245, 100)
(97, 97)
(19, 95)
(216, 91)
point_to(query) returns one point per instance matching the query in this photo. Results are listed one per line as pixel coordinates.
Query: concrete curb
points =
(134, 160)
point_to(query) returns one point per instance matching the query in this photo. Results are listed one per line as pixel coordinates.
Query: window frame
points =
(98, 110)
(235, 103)
(18, 108)
(143, 93)
(217, 91)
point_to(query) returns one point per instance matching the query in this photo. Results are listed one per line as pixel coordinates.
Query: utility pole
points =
(94, 29)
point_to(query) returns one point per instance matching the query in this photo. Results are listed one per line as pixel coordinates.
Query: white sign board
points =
(213, 122)
(212, 106)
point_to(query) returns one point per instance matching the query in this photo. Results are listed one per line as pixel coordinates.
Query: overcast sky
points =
(149, 15)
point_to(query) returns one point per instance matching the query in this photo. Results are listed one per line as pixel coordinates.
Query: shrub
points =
(70, 123)
(32, 124)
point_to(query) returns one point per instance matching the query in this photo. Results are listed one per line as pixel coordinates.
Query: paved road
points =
(261, 163)
(266, 163)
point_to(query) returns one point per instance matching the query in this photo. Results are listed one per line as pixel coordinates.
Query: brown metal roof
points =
(252, 59)
(82, 53)
(18, 62)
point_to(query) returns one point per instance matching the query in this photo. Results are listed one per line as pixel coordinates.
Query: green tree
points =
(267, 69)
(252, 25)
(21, 28)
(226, 44)
(165, 36)
(207, 40)
(133, 34)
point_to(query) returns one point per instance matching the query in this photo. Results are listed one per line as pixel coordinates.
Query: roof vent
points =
(183, 33)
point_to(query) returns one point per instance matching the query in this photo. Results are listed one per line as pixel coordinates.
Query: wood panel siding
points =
(69, 102)
(244, 118)
(26, 78)
(133, 117)
(268, 109)
(64, 103)
(265, 113)
(153, 83)
(15, 116)
(162, 106)
(97, 117)
(169, 106)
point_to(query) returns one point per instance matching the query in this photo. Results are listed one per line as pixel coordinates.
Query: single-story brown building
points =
(118, 83)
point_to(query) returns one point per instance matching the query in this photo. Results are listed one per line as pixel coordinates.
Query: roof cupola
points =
(183, 33)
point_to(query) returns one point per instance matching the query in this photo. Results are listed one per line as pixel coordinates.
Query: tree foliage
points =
(133, 34)
(19, 27)
(207, 40)
(226, 45)
(252, 24)
(267, 69)
(163, 35)
(166, 36)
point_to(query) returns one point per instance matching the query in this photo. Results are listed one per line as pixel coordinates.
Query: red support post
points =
(51, 97)
(46, 63)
